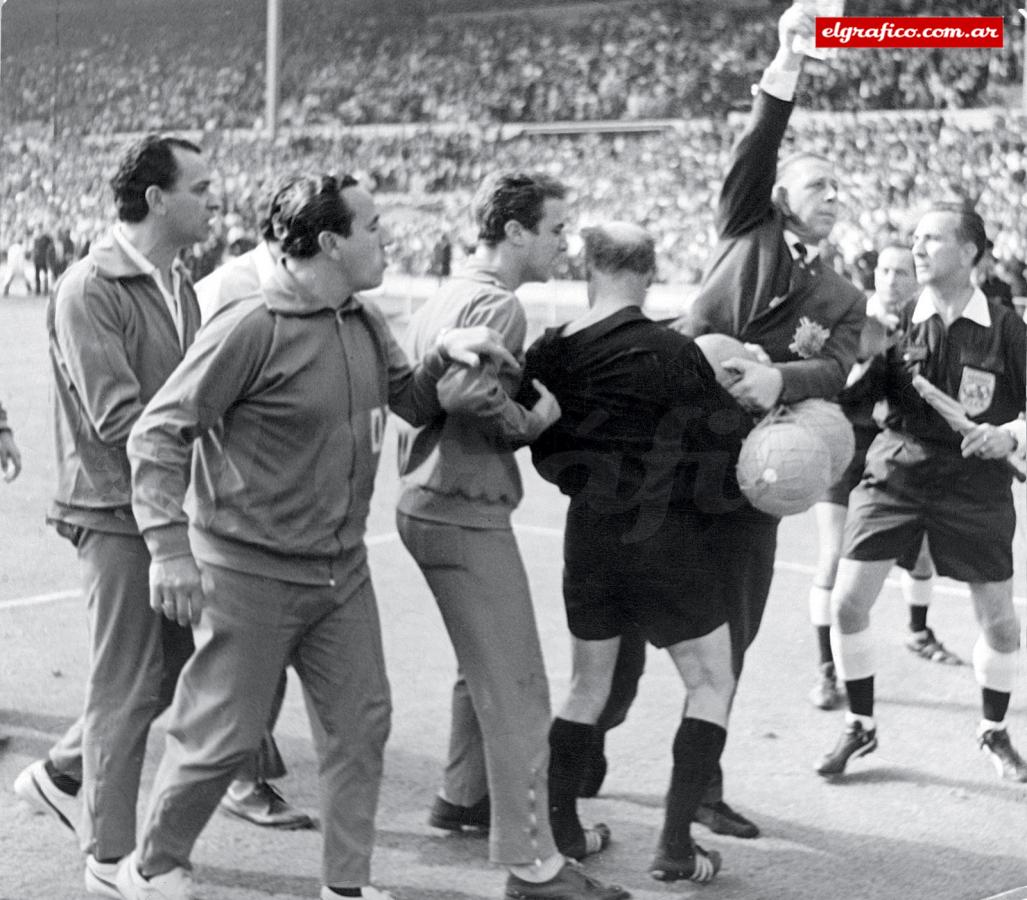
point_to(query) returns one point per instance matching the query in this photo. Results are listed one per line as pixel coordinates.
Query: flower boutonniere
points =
(809, 338)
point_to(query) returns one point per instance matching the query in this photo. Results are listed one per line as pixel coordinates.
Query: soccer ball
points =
(784, 466)
(829, 423)
(718, 347)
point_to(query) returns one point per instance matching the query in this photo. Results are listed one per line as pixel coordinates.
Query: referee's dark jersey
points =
(982, 366)
(644, 422)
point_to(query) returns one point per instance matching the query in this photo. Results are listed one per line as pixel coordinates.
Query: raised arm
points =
(747, 191)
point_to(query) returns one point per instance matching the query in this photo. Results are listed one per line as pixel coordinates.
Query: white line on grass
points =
(39, 599)
(376, 540)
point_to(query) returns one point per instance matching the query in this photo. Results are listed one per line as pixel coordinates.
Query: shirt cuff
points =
(780, 83)
(167, 541)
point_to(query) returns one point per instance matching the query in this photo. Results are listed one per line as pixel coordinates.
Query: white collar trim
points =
(976, 310)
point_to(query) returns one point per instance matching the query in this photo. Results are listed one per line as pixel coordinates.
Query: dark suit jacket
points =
(753, 291)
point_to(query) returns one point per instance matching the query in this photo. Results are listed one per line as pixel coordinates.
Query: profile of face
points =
(807, 192)
(938, 252)
(547, 242)
(188, 207)
(362, 252)
(895, 278)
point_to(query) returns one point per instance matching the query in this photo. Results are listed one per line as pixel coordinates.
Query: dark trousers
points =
(747, 541)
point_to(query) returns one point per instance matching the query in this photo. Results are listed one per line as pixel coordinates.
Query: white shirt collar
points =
(145, 266)
(875, 308)
(172, 298)
(128, 248)
(266, 261)
(976, 310)
(791, 239)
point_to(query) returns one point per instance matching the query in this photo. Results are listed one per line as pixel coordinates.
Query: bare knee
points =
(1002, 635)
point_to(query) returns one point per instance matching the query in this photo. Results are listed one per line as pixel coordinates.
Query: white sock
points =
(868, 722)
(916, 591)
(853, 654)
(819, 606)
(994, 670)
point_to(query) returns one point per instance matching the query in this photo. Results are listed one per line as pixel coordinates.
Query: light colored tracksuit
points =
(460, 485)
(286, 398)
(112, 343)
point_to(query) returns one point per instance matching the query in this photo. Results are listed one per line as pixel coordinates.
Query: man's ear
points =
(514, 231)
(155, 200)
(969, 252)
(781, 199)
(326, 242)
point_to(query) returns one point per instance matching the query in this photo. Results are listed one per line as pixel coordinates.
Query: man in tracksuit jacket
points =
(460, 486)
(285, 397)
(250, 796)
(118, 324)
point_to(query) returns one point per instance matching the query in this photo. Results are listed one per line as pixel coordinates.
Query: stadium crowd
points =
(665, 180)
(655, 60)
(662, 60)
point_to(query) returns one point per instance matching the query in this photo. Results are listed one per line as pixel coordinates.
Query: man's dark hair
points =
(608, 254)
(310, 205)
(970, 228)
(271, 206)
(512, 197)
(149, 161)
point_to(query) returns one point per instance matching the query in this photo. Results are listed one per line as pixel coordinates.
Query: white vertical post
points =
(272, 67)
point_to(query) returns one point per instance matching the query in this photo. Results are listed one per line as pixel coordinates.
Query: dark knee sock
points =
(824, 643)
(697, 748)
(917, 617)
(861, 696)
(995, 704)
(570, 744)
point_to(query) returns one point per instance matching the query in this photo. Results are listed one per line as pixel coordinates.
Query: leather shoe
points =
(453, 817)
(722, 819)
(263, 805)
(570, 883)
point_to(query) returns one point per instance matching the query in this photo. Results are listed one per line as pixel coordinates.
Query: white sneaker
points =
(35, 787)
(174, 885)
(101, 878)
(367, 893)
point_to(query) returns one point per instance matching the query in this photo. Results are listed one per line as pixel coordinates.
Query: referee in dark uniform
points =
(646, 450)
(924, 478)
(765, 284)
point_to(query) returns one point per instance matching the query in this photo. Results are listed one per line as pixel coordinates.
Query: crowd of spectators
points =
(117, 68)
(665, 180)
(457, 85)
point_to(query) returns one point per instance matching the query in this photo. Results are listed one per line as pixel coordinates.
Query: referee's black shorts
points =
(838, 492)
(652, 568)
(910, 489)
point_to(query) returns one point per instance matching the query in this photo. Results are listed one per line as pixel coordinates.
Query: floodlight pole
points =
(272, 67)
(3, 97)
(55, 108)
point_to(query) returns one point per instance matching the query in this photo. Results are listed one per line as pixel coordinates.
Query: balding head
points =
(620, 263)
(619, 247)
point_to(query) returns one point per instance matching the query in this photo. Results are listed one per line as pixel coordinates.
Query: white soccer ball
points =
(784, 467)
